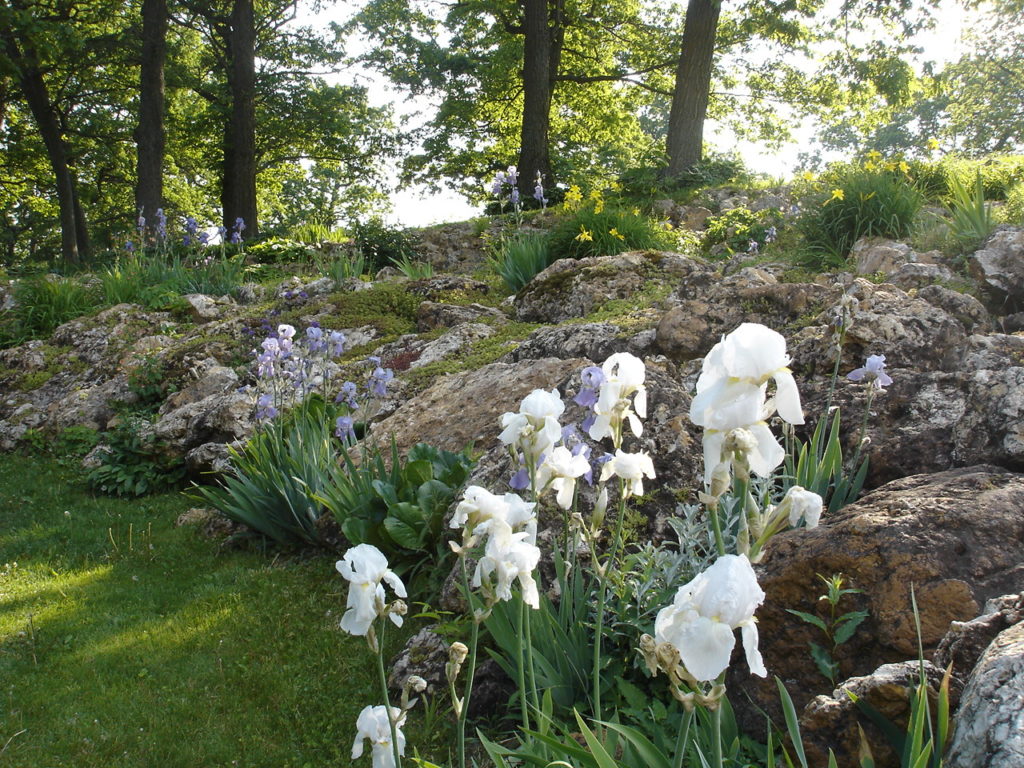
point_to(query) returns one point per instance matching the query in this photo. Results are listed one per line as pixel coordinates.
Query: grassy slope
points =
(125, 641)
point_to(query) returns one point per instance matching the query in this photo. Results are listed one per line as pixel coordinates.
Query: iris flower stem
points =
(384, 689)
(832, 384)
(682, 740)
(531, 671)
(863, 425)
(520, 664)
(716, 526)
(602, 593)
(716, 744)
(473, 641)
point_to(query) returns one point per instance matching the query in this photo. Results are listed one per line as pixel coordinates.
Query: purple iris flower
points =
(204, 238)
(161, 223)
(873, 371)
(753, 246)
(520, 480)
(129, 246)
(345, 429)
(771, 235)
(379, 380)
(265, 408)
(347, 395)
(236, 238)
(191, 225)
(336, 344)
(592, 378)
(514, 197)
(239, 224)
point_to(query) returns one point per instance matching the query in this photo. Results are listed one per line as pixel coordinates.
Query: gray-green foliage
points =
(275, 476)
(519, 258)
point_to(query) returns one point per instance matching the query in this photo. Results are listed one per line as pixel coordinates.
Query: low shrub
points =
(134, 462)
(519, 258)
(736, 228)
(397, 504)
(380, 244)
(605, 231)
(1013, 212)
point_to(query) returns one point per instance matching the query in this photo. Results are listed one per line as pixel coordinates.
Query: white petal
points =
(748, 632)
(769, 453)
(705, 647)
(640, 403)
(787, 397)
(713, 442)
(395, 583)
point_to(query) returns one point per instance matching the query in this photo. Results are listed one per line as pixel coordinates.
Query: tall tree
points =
(685, 140)
(22, 62)
(151, 135)
(238, 190)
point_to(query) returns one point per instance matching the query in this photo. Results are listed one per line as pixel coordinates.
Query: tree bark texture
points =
(238, 192)
(29, 76)
(541, 54)
(685, 140)
(151, 135)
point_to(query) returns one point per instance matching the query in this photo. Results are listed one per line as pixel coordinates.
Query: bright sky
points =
(414, 207)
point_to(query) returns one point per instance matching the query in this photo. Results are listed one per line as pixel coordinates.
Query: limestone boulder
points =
(873, 256)
(831, 721)
(218, 418)
(594, 341)
(465, 408)
(433, 314)
(966, 641)
(999, 267)
(954, 537)
(989, 725)
(572, 288)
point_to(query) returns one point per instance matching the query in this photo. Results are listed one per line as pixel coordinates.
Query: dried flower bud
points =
(457, 653)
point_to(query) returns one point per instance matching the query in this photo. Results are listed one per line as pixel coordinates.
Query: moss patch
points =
(475, 355)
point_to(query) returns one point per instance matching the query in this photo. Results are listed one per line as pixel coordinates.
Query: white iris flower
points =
(364, 566)
(701, 620)
(372, 724)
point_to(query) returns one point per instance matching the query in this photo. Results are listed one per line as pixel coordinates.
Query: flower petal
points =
(705, 646)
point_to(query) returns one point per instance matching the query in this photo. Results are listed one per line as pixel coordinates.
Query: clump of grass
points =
(519, 258)
(606, 231)
(43, 303)
(859, 203)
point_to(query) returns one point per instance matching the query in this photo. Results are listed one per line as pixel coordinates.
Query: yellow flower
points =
(614, 232)
(837, 194)
(573, 197)
(598, 199)
(668, 226)
(807, 176)
(636, 211)
(904, 166)
(584, 235)
(874, 154)
(870, 165)
(933, 144)
(891, 165)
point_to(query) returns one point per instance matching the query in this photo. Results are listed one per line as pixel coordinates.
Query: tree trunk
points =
(693, 84)
(74, 243)
(151, 136)
(238, 192)
(538, 83)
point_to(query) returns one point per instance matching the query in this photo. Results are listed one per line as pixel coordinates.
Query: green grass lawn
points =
(125, 641)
